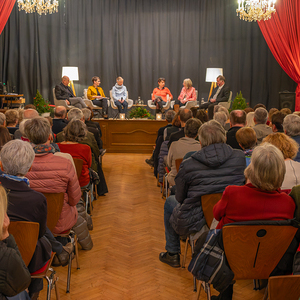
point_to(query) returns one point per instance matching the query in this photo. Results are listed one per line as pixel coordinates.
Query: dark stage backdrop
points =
(140, 40)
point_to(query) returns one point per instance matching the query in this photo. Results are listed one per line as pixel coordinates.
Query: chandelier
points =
(256, 10)
(40, 6)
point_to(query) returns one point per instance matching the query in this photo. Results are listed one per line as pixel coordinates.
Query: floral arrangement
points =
(139, 112)
(42, 105)
(239, 102)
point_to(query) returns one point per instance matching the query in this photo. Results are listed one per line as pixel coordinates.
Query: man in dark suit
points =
(63, 92)
(59, 121)
(219, 94)
(237, 121)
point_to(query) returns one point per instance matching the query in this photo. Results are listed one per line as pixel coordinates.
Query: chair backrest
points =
(54, 97)
(85, 94)
(253, 251)
(207, 203)
(55, 202)
(177, 163)
(78, 166)
(26, 235)
(284, 287)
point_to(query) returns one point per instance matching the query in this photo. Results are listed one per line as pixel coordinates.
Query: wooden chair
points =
(208, 202)
(78, 166)
(253, 251)
(55, 203)
(177, 163)
(284, 287)
(26, 235)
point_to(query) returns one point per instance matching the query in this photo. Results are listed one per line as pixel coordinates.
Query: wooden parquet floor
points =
(128, 236)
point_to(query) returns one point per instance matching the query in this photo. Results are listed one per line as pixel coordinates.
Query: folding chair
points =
(284, 287)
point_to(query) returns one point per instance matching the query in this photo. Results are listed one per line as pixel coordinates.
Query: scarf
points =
(120, 88)
(16, 178)
(43, 148)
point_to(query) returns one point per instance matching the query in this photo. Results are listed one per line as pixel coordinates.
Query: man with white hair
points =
(261, 128)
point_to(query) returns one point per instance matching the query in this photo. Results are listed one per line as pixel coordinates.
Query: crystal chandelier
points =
(40, 6)
(256, 10)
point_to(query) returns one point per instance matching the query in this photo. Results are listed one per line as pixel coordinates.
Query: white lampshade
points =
(71, 72)
(212, 74)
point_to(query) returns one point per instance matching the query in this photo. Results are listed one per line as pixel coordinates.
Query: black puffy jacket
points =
(207, 171)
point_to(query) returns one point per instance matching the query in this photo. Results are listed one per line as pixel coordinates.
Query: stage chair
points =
(247, 248)
(26, 235)
(165, 107)
(61, 102)
(189, 104)
(284, 287)
(228, 103)
(55, 203)
(113, 105)
(90, 103)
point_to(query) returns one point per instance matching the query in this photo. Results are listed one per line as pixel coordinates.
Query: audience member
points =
(188, 93)
(246, 137)
(248, 109)
(259, 105)
(28, 114)
(197, 176)
(59, 121)
(174, 128)
(64, 92)
(261, 128)
(291, 127)
(237, 120)
(161, 95)
(119, 94)
(220, 108)
(184, 115)
(259, 199)
(271, 112)
(296, 113)
(12, 118)
(277, 121)
(250, 119)
(15, 275)
(202, 116)
(29, 106)
(179, 148)
(194, 111)
(221, 118)
(4, 136)
(289, 149)
(2, 119)
(286, 111)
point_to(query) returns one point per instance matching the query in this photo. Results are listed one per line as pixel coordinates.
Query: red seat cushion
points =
(41, 270)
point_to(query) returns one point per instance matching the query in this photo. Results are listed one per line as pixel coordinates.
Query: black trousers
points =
(102, 103)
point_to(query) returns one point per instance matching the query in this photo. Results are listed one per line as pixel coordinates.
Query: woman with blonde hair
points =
(188, 93)
(250, 119)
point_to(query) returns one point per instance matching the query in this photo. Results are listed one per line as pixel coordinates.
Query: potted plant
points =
(140, 113)
(42, 105)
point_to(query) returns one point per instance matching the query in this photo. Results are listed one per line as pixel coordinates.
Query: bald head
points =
(184, 115)
(237, 118)
(30, 114)
(65, 80)
(60, 112)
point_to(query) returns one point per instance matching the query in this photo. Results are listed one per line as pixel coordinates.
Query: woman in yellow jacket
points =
(96, 94)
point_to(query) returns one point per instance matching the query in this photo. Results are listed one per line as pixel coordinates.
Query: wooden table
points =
(14, 99)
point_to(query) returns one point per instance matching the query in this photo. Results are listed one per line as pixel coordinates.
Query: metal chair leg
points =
(69, 273)
(208, 291)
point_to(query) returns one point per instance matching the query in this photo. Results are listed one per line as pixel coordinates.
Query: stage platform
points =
(129, 136)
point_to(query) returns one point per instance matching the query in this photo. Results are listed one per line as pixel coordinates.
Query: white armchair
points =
(90, 103)
(61, 102)
(113, 105)
(228, 103)
(188, 104)
(165, 106)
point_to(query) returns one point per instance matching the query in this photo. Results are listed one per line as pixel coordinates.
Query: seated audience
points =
(271, 112)
(27, 115)
(246, 137)
(194, 111)
(179, 148)
(2, 119)
(289, 149)
(259, 105)
(174, 128)
(250, 119)
(188, 93)
(119, 94)
(29, 106)
(4, 136)
(220, 108)
(221, 118)
(97, 96)
(237, 120)
(277, 121)
(12, 118)
(261, 128)
(286, 111)
(15, 275)
(259, 199)
(207, 171)
(291, 127)
(74, 132)
(160, 94)
(64, 92)
(202, 116)
(59, 121)
(248, 109)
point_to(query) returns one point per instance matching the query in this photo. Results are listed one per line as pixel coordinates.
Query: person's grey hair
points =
(261, 115)
(170, 114)
(37, 130)
(17, 157)
(291, 124)
(86, 113)
(267, 168)
(2, 118)
(75, 114)
(22, 127)
(224, 110)
(211, 132)
(220, 117)
(192, 127)
(250, 120)
(75, 131)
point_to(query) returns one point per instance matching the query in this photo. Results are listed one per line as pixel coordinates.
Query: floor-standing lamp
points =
(211, 75)
(72, 73)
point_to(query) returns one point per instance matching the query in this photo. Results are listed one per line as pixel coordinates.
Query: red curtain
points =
(6, 7)
(282, 34)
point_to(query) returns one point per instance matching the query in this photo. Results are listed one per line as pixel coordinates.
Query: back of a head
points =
(267, 168)
(216, 108)
(176, 121)
(286, 111)
(170, 114)
(75, 131)
(277, 120)
(238, 117)
(202, 115)
(259, 105)
(250, 119)
(60, 112)
(11, 116)
(86, 113)
(224, 110)
(37, 130)
(185, 114)
(2, 118)
(261, 115)
(211, 132)
(17, 157)
(248, 109)
(271, 112)
(246, 137)
(30, 114)
(75, 114)
(291, 124)
(194, 111)
(192, 127)
(220, 117)
(29, 106)
(4, 136)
